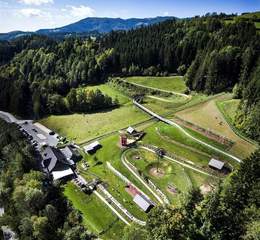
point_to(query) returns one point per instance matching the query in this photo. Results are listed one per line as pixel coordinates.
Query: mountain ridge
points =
(90, 26)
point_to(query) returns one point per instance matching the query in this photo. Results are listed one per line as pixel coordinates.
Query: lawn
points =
(96, 216)
(174, 174)
(174, 103)
(208, 116)
(175, 83)
(111, 152)
(152, 138)
(164, 105)
(83, 127)
(229, 107)
(112, 92)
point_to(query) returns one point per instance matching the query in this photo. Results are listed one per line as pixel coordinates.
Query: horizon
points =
(32, 15)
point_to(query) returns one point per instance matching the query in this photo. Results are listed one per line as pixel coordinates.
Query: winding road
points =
(184, 131)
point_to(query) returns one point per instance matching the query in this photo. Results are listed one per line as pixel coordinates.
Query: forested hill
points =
(215, 54)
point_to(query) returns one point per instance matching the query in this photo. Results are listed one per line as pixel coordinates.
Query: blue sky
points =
(35, 14)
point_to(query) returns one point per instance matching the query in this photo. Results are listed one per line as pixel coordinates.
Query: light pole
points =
(159, 153)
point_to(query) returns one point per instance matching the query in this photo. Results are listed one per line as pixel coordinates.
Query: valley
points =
(125, 128)
(175, 176)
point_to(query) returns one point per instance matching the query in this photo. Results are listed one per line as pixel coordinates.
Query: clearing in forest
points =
(174, 83)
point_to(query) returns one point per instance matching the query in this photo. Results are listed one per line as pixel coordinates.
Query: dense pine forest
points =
(214, 54)
(34, 208)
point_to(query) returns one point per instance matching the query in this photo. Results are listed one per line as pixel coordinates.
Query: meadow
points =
(208, 116)
(174, 83)
(97, 217)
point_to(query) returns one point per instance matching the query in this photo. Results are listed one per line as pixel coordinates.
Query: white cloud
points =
(82, 11)
(30, 12)
(166, 14)
(35, 2)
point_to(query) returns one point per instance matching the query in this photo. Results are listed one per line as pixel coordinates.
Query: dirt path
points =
(208, 116)
(160, 99)
(180, 144)
(185, 132)
(156, 89)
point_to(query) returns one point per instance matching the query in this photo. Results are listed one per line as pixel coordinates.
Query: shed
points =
(216, 164)
(91, 148)
(130, 130)
(143, 202)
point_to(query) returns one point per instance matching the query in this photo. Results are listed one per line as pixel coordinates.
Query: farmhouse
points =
(56, 163)
(38, 134)
(49, 158)
(71, 154)
(144, 203)
(92, 148)
(216, 164)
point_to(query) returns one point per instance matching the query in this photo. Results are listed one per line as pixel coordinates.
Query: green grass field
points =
(175, 103)
(112, 92)
(175, 84)
(174, 174)
(104, 220)
(97, 217)
(152, 138)
(110, 152)
(83, 127)
(208, 116)
(229, 107)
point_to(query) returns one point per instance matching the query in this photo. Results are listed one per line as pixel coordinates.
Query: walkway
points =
(184, 131)
(181, 163)
(140, 179)
(109, 197)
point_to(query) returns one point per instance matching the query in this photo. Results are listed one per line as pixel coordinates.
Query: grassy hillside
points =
(83, 127)
(175, 84)
(208, 116)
